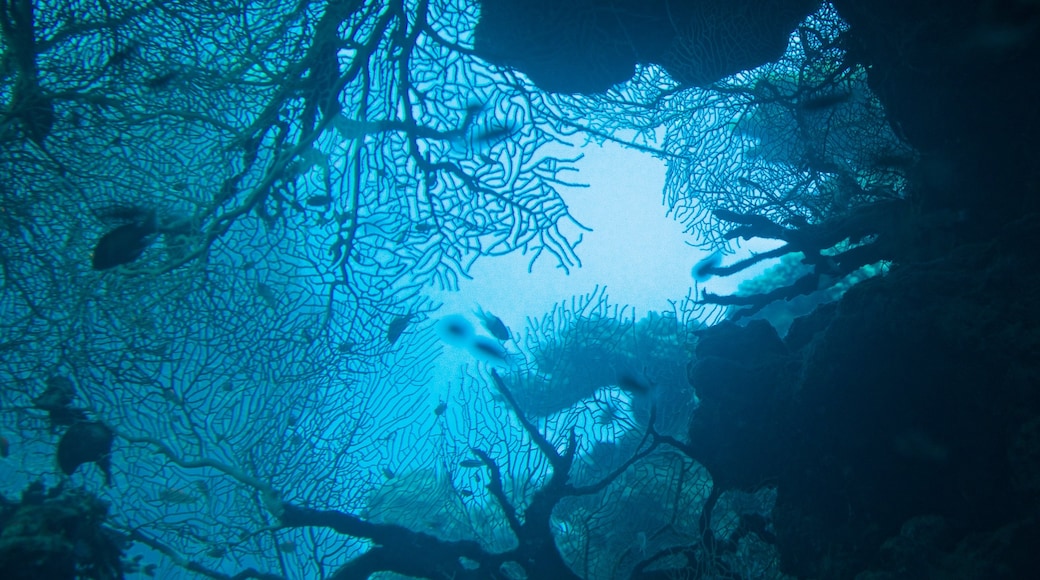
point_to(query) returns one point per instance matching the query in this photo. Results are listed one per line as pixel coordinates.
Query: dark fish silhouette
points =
(319, 200)
(397, 327)
(455, 330)
(126, 242)
(86, 442)
(138, 228)
(493, 324)
(633, 381)
(490, 351)
(706, 268)
(122, 245)
(471, 463)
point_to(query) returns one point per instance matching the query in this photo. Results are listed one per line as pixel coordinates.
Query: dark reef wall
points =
(902, 425)
(960, 82)
(914, 397)
(586, 46)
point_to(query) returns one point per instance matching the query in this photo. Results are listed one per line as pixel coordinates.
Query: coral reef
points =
(58, 534)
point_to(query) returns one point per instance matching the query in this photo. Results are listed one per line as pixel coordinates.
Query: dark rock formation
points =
(586, 46)
(57, 535)
(916, 396)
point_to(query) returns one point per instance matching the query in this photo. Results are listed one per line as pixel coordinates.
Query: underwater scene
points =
(519, 289)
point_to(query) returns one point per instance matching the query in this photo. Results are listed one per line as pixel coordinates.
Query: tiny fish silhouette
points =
(490, 351)
(706, 268)
(493, 324)
(319, 200)
(455, 330)
(397, 327)
(123, 245)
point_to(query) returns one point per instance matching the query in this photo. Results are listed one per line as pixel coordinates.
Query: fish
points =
(137, 229)
(633, 382)
(266, 293)
(5, 446)
(471, 463)
(122, 55)
(397, 327)
(319, 200)
(122, 245)
(490, 351)
(824, 101)
(705, 269)
(86, 442)
(160, 81)
(176, 497)
(493, 133)
(493, 324)
(346, 347)
(455, 330)
(126, 242)
(441, 408)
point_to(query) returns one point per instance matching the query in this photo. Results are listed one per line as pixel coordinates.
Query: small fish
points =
(455, 330)
(287, 547)
(824, 101)
(177, 497)
(388, 473)
(471, 463)
(217, 552)
(441, 408)
(397, 327)
(267, 295)
(122, 245)
(493, 324)
(705, 269)
(319, 200)
(346, 347)
(608, 415)
(465, 492)
(490, 351)
(122, 55)
(492, 134)
(5, 446)
(633, 382)
(160, 81)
